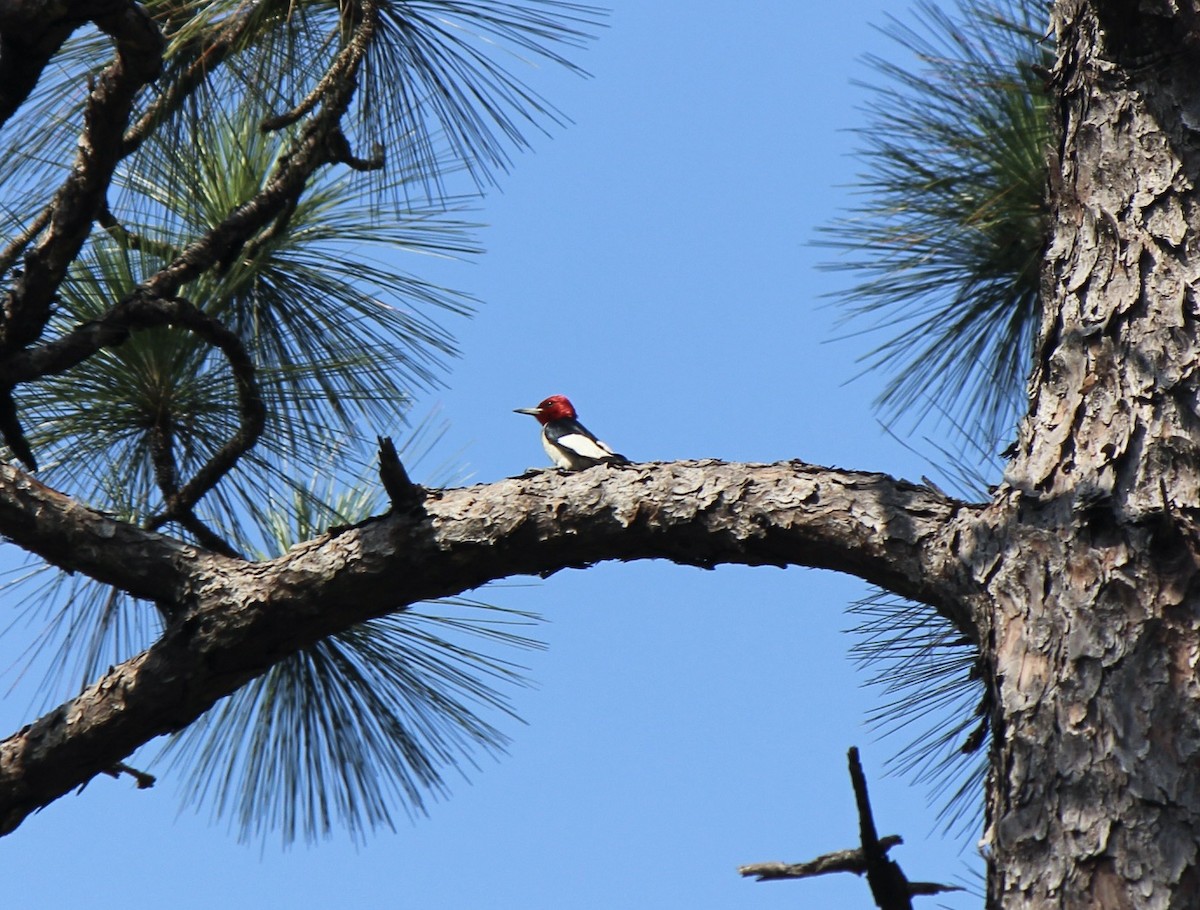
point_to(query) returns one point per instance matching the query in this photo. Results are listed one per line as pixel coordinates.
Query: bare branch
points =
(140, 311)
(234, 619)
(166, 475)
(889, 886)
(838, 861)
(143, 780)
(127, 238)
(403, 493)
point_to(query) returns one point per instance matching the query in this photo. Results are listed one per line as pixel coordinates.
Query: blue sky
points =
(653, 262)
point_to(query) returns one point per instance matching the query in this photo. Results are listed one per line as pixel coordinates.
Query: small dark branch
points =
(166, 475)
(866, 821)
(116, 230)
(375, 163)
(11, 430)
(343, 68)
(404, 494)
(162, 454)
(253, 412)
(130, 240)
(26, 306)
(339, 152)
(925, 889)
(143, 780)
(206, 536)
(889, 887)
(839, 861)
(277, 229)
(11, 252)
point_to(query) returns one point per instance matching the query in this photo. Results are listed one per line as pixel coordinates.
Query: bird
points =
(568, 442)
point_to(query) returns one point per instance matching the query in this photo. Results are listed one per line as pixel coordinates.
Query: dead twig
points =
(889, 886)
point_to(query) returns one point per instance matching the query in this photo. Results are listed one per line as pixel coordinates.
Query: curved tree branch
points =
(136, 310)
(141, 311)
(234, 619)
(253, 412)
(166, 475)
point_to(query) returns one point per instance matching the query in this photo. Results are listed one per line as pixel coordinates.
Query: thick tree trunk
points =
(1092, 632)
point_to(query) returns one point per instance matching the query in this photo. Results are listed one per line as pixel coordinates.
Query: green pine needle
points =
(947, 239)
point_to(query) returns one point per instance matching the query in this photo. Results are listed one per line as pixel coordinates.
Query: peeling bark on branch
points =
(233, 619)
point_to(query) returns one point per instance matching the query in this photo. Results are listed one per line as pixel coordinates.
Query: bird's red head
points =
(556, 407)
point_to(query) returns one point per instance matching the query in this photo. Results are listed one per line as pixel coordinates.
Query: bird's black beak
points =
(532, 412)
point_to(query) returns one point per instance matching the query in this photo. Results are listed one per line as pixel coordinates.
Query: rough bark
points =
(1091, 634)
(232, 619)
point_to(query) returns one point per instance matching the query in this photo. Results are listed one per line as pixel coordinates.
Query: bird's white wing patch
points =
(584, 447)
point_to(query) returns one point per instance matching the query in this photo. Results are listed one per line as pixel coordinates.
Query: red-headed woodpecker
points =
(566, 440)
